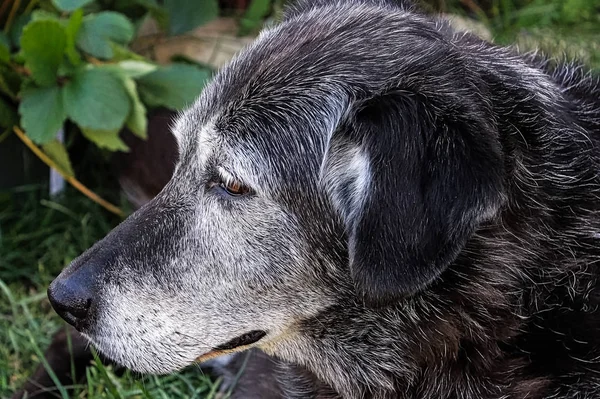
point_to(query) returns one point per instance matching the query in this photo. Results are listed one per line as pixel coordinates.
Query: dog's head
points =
(346, 157)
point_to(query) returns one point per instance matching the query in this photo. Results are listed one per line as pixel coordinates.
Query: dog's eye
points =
(234, 188)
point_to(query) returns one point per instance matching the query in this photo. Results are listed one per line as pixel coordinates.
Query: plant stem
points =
(3, 7)
(30, 6)
(72, 180)
(11, 16)
(6, 90)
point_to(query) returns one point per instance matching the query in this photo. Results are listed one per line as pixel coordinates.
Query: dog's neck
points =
(368, 353)
(455, 340)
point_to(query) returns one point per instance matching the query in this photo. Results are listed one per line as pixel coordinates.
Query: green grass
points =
(37, 238)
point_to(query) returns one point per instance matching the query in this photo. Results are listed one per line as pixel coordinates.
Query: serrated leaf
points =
(96, 99)
(175, 86)
(8, 115)
(43, 45)
(57, 152)
(185, 15)
(42, 112)
(99, 30)
(72, 29)
(70, 5)
(136, 121)
(107, 139)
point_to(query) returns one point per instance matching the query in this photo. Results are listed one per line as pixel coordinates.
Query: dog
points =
(386, 207)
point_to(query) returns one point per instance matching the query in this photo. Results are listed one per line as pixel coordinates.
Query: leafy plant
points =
(68, 60)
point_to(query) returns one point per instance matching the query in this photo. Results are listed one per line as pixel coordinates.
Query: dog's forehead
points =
(259, 145)
(281, 98)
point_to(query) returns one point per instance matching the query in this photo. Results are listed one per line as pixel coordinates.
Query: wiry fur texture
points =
(424, 221)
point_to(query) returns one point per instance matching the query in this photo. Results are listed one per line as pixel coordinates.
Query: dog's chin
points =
(161, 356)
(149, 358)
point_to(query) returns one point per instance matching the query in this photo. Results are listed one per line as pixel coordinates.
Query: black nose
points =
(71, 297)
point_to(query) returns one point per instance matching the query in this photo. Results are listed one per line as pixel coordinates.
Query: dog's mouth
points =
(239, 343)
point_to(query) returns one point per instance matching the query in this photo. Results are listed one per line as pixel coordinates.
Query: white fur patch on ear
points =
(346, 177)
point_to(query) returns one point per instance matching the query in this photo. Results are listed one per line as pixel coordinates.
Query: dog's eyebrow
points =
(227, 176)
(177, 127)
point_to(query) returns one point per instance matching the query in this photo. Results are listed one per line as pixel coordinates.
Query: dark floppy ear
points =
(411, 188)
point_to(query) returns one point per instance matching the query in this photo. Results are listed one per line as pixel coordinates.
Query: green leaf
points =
(108, 139)
(43, 45)
(42, 112)
(8, 115)
(72, 29)
(96, 99)
(99, 30)
(70, 5)
(257, 11)
(57, 152)
(185, 15)
(136, 121)
(175, 86)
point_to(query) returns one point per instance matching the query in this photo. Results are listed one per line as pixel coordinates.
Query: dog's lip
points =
(236, 344)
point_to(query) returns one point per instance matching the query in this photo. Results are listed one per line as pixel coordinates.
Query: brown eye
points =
(234, 188)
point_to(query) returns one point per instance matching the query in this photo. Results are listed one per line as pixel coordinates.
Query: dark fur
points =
(468, 266)
(515, 314)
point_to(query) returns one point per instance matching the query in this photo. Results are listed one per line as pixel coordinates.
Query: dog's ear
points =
(411, 187)
(302, 6)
